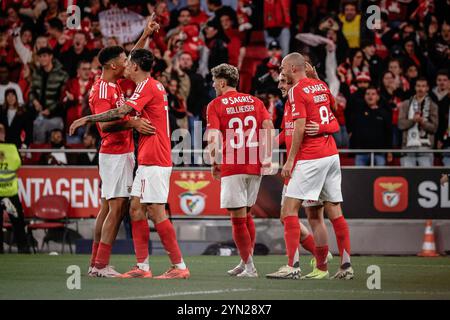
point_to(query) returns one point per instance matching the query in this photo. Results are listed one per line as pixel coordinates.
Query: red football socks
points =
(252, 231)
(241, 237)
(291, 237)
(141, 235)
(94, 253)
(309, 244)
(103, 254)
(342, 238)
(321, 258)
(168, 238)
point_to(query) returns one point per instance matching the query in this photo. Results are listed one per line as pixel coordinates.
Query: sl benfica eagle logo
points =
(192, 202)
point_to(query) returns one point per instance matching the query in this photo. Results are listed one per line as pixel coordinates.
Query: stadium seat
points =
(52, 212)
(346, 159)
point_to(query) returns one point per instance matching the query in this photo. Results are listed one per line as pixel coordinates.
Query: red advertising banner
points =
(80, 185)
(390, 193)
(192, 193)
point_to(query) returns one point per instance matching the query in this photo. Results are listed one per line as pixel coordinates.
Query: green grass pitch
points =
(44, 277)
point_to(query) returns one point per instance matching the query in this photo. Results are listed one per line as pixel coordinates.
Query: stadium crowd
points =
(390, 79)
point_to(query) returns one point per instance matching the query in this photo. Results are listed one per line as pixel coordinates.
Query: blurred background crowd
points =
(390, 76)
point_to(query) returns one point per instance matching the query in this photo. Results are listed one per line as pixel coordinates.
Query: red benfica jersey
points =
(103, 97)
(239, 118)
(150, 102)
(288, 128)
(312, 100)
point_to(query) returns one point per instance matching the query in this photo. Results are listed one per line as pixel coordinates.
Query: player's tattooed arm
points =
(110, 115)
(297, 139)
(141, 125)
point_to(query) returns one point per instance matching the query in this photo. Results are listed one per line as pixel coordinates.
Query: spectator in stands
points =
(76, 53)
(46, 88)
(23, 44)
(236, 51)
(5, 84)
(177, 104)
(196, 99)
(17, 122)
(198, 16)
(216, 41)
(74, 94)
(401, 82)
(56, 142)
(58, 39)
(275, 106)
(413, 55)
(355, 100)
(273, 50)
(351, 23)
(183, 19)
(442, 89)
(268, 81)
(217, 7)
(391, 97)
(371, 129)
(438, 47)
(441, 96)
(373, 60)
(10, 202)
(411, 75)
(354, 66)
(418, 119)
(91, 158)
(277, 23)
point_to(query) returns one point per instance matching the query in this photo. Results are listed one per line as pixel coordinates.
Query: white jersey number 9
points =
(324, 115)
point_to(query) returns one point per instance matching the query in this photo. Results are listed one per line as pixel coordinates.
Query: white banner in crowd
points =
(125, 25)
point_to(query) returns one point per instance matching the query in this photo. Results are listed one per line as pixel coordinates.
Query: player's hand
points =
(287, 169)
(215, 171)
(311, 71)
(143, 126)
(76, 124)
(312, 128)
(444, 179)
(152, 25)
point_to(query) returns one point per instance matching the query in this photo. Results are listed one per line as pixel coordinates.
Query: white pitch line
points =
(364, 291)
(177, 294)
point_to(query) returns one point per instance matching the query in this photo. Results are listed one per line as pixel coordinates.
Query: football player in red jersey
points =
(313, 161)
(293, 228)
(116, 153)
(151, 185)
(235, 120)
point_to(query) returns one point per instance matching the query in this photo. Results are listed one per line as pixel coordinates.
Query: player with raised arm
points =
(294, 230)
(234, 123)
(313, 161)
(116, 154)
(151, 185)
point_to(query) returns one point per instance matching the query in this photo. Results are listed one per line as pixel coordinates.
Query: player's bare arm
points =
(141, 125)
(297, 138)
(269, 130)
(152, 26)
(107, 116)
(213, 144)
(313, 128)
